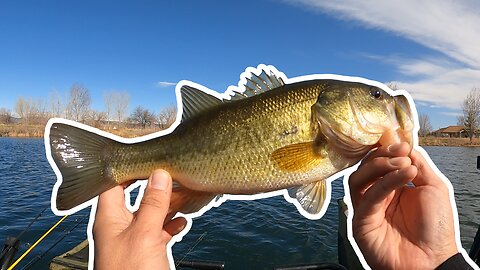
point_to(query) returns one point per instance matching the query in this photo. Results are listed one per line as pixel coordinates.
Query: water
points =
(244, 234)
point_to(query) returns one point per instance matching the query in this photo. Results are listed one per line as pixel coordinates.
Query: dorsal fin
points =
(196, 101)
(257, 84)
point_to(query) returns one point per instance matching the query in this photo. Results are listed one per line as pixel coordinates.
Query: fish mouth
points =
(397, 129)
(364, 134)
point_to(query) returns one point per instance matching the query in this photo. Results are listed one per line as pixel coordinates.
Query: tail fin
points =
(82, 158)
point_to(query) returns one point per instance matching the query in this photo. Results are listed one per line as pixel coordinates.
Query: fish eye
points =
(376, 93)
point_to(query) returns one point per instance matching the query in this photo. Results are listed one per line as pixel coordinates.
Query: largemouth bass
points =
(269, 137)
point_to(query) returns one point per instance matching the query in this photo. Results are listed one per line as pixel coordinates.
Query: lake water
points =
(244, 234)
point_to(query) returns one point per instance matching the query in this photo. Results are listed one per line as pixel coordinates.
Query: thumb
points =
(155, 202)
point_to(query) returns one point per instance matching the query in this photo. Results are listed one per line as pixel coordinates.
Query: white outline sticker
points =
(215, 203)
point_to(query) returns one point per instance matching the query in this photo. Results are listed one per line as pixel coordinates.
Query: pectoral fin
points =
(311, 196)
(187, 201)
(297, 157)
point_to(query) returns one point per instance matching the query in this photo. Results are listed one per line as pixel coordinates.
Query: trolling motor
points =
(9, 250)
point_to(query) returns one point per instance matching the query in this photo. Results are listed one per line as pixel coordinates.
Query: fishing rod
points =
(201, 265)
(58, 240)
(317, 266)
(37, 242)
(12, 244)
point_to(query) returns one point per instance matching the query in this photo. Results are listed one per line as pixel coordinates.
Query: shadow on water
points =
(244, 234)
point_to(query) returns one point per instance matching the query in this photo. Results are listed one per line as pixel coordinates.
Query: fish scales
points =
(228, 149)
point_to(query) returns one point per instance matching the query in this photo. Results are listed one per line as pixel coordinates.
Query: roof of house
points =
(451, 129)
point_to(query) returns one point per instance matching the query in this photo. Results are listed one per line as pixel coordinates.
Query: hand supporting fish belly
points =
(270, 136)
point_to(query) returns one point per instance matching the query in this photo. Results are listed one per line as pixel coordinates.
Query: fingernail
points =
(394, 147)
(396, 161)
(160, 179)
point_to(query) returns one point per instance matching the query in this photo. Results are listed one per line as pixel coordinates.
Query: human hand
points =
(398, 226)
(125, 240)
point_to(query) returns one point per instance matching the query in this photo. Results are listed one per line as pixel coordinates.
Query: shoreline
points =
(30, 132)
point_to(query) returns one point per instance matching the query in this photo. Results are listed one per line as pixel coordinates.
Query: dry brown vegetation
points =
(37, 131)
(21, 130)
(436, 141)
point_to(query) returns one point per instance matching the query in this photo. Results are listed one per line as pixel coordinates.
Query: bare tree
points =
(460, 120)
(142, 116)
(79, 102)
(120, 101)
(108, 103)
(57, 108)
(96, 118)
(5, 116)
(31, 111)
(22, 108)
(471, 112)
(166, 117)
(38, 112)
(424, 123)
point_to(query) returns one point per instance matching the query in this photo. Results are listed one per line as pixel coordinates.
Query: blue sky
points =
(430, 49)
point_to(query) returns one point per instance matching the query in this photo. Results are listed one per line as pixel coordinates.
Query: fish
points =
(268, 136)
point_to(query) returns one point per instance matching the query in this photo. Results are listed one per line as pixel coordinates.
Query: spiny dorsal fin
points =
(297, 157)
(257, 84)
(196, 101)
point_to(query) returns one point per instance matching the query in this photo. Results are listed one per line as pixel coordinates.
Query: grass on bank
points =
(36, 131)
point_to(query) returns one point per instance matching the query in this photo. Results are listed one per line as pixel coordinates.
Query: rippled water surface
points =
(244, 234)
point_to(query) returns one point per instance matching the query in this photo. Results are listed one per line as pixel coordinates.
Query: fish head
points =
(354, 117)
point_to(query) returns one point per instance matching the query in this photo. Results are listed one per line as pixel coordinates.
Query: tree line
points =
(77, 107)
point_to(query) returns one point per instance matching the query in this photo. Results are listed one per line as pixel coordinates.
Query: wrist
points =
(446, 253)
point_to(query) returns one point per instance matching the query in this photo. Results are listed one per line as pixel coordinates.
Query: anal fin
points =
(188, 201)
(310, 196)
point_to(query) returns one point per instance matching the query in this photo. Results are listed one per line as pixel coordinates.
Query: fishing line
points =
(191, 248)
(57, 240)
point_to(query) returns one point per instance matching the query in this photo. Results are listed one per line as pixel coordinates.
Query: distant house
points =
(451, 132)
(454, 132)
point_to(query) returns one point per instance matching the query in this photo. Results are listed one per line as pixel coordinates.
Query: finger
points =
(426, 175)
(169, 217)
(110, 201)
(393, 150)
(367, 174)
(155, 202)
(374, 197)
(111, 205)
(378, 167)
(175, 226)
(388, 151)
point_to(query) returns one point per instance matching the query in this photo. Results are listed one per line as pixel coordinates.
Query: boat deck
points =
(74, 259)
